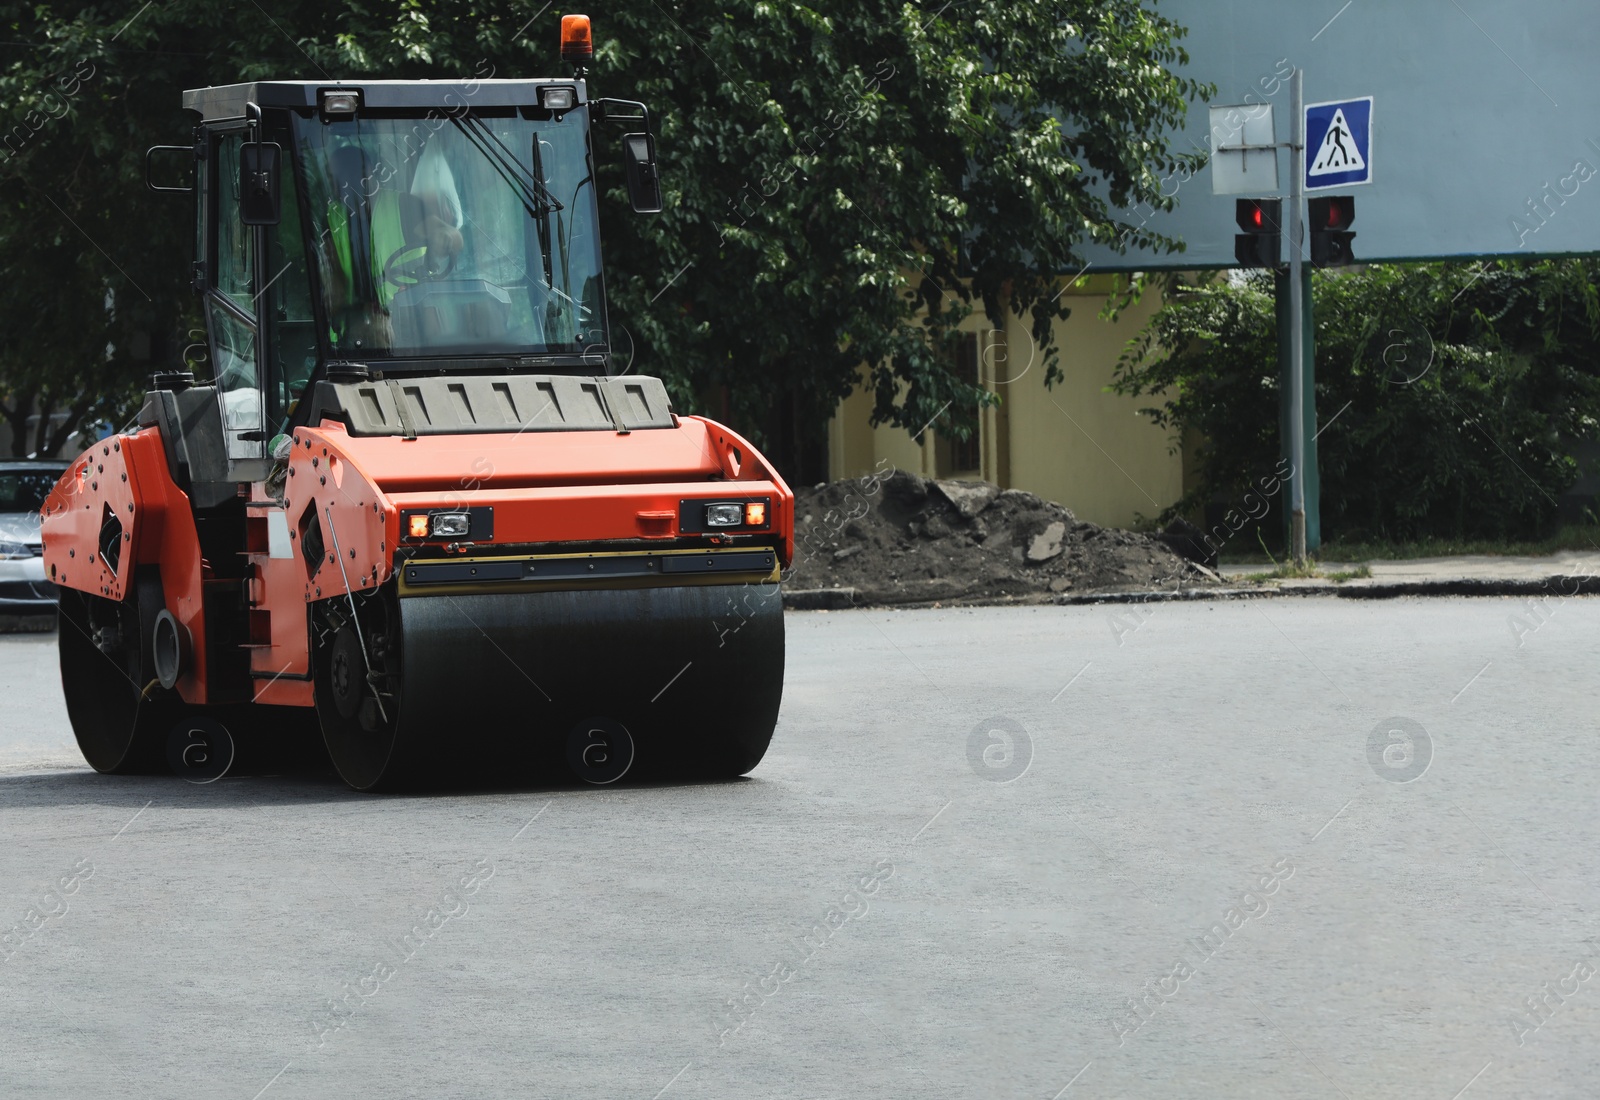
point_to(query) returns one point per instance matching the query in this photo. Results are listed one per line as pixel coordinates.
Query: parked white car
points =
(24, 483)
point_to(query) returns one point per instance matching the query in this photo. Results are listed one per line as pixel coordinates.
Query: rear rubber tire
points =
(361, 739)
(120, 714)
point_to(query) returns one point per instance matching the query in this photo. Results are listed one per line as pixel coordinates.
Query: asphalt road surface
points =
(1278, 848)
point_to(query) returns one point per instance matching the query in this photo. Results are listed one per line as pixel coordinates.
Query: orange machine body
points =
(115, 510)
(571, 493)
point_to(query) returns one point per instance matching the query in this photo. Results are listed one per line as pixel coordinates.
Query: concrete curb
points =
(845, 599)
(1183, 595)
(1557, 585)
(1365, 590)
(842, 599)
(820, 599)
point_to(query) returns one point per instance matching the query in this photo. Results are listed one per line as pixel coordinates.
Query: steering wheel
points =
(408, 266)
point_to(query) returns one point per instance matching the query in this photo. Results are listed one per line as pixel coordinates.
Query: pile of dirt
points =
(903, 539)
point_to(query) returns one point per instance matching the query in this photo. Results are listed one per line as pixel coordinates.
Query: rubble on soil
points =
(901, 539)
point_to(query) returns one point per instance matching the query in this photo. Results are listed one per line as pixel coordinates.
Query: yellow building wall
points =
(1074, 443)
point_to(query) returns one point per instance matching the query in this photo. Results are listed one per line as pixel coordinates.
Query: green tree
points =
(843, 182)
(1458, 390)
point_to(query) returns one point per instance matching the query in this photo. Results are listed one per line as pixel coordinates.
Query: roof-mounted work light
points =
(558, 99)
(340, 103)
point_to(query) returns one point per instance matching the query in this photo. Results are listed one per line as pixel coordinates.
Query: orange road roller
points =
(416, 506)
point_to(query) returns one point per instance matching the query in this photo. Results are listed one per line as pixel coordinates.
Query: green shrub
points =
(1462, 388)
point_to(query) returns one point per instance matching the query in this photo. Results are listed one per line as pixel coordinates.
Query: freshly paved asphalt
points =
(1214, 766)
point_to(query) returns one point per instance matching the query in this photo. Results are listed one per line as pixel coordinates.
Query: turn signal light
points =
(755, 514)
(417, 527)
(577, 42)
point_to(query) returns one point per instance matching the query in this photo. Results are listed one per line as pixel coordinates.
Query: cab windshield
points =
(454, 235)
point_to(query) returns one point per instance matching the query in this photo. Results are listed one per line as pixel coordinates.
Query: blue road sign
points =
(1338, 143)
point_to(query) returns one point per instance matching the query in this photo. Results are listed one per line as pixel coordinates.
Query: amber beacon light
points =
(577, 41)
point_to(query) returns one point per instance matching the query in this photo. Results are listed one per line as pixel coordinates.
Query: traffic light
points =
(1261, 220)
(1329, 219)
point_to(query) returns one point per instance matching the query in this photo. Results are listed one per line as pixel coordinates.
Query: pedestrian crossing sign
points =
(1338, 143)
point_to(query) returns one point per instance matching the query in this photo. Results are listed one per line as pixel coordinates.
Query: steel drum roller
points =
(491, 686)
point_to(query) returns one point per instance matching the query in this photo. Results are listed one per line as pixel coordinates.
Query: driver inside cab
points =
(382, 239)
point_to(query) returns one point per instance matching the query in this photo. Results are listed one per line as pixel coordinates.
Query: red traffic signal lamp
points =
(1260, 243)
(1329, 219)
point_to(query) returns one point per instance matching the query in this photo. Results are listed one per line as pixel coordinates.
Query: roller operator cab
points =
(411, 504)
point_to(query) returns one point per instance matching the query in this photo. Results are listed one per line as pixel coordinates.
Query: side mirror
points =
(260, 197)
(644, 182)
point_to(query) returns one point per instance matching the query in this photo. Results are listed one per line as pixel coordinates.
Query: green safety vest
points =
(387, 236)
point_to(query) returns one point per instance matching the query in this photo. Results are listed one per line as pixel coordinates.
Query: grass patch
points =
(1339, 576)
(1288, 571)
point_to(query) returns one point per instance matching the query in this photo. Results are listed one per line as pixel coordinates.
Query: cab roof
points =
(228, 101)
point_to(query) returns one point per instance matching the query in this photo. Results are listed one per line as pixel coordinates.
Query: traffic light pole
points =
(1259, 245)
(1297, 421)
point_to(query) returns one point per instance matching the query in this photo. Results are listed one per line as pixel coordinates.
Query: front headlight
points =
(14, 551)
(450, 525)
(724, 515)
